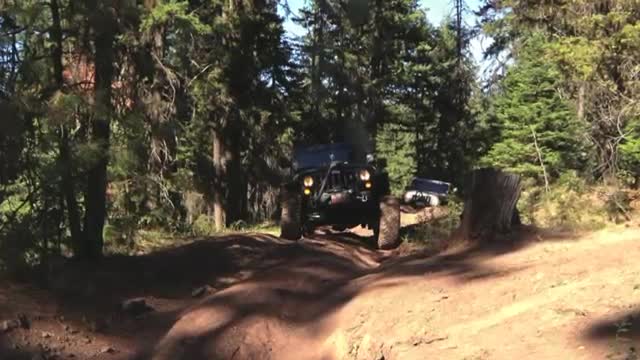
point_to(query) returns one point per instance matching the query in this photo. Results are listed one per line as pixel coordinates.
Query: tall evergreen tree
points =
(595, 46)
(540, 136)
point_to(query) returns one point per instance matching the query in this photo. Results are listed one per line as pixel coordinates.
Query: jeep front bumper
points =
(342, 207)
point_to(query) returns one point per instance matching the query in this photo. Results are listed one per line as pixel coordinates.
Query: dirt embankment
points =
(332, 297)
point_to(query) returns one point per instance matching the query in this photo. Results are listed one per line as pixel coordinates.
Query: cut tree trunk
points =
(219, 211)
(490, 207)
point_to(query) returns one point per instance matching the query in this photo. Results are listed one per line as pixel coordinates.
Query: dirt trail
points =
(334, 298)
(557, 300)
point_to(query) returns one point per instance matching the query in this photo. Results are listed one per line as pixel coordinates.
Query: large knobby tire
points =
(291, 217)
(388, 228)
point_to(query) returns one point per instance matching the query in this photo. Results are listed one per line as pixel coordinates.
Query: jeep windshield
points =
(321, 156)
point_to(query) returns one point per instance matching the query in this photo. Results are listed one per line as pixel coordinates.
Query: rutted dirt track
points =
(332, 297)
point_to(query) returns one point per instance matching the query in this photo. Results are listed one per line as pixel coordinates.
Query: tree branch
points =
(544, 169)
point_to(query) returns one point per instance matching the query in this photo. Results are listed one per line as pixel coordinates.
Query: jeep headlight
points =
(365, 175)
(308, 181)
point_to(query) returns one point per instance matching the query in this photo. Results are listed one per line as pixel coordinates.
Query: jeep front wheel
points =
(387, 230)
(291, 216)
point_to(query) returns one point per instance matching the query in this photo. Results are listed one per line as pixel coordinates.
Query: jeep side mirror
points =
(370, 158)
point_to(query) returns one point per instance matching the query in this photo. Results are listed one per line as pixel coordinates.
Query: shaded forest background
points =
(180, 115)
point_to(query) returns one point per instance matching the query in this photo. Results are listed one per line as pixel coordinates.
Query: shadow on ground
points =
(294, 303)
(621, 333)
(9, 351)
(267, 288)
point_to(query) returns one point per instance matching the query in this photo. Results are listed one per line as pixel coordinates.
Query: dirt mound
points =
(82, 312)
(275, 314)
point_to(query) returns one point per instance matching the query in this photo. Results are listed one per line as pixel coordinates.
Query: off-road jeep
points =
(331, 186)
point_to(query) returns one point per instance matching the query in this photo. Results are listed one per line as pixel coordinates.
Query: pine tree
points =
(397, 146)
(540, 134)
(594, 45)
(447, 146)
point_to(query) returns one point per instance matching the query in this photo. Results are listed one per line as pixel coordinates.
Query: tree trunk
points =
(68, 190)
(317, 65)
(540, 159)
(67, 186)
(490, 207)
(234, 179)
(56, 36)
(96, 199)
(162, 149)
(378, 70)
(219, 212)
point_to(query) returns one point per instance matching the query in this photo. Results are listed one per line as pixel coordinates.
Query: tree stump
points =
(490, 206)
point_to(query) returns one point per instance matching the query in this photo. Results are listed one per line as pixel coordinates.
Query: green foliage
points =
(571, 204)
(595, 50)
(173, 11)
(630, 150)
(379, 76)
(618, 206)
(203, 226)
(431, 233)
(538, 127)
(398, 148)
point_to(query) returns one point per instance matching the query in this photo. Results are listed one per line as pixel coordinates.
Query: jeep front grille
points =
(342, 180)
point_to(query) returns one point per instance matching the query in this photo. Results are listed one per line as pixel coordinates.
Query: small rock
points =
(71, 330)
(201, 291)
(107, 350)
(88, 340)
(9, 325)
(135, 307)
(24, 322)
(46, 335)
